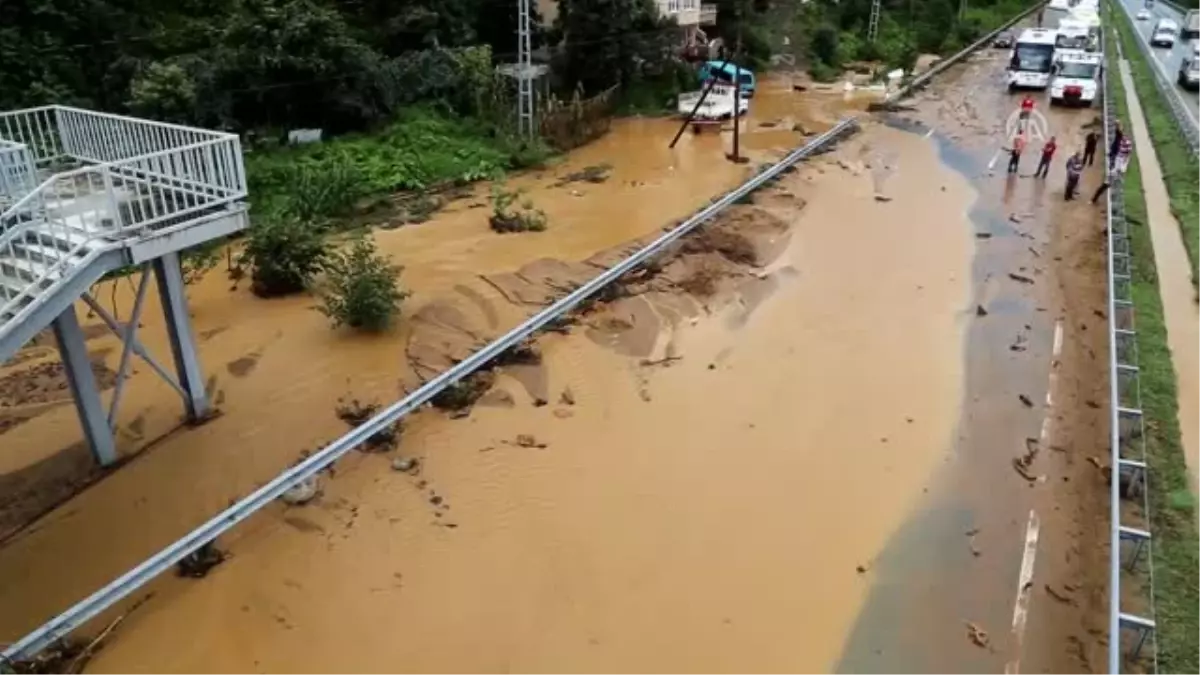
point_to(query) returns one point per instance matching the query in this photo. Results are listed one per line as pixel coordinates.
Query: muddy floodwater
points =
(718, 468)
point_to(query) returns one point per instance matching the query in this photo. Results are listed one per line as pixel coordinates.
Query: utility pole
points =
(524, 71)
(737, 97)
(873, 22)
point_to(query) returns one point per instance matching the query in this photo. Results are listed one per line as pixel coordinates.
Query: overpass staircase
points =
(86, 194)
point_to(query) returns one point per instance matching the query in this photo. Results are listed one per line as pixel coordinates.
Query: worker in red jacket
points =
(1026, 111)
(1047, 154)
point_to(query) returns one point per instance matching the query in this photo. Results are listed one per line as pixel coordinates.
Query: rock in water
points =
(302, 492)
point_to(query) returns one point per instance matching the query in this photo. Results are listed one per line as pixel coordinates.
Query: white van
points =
(1165, 33)
(1076, 77)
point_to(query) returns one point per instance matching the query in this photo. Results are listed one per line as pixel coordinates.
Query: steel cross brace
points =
(131, 344)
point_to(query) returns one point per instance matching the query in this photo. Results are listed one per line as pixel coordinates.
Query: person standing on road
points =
(1014, 153)
(1089, 147)
(1118, 136)
(1120, 163)
(1048, 149)
(1026, 111)
(1074, 168)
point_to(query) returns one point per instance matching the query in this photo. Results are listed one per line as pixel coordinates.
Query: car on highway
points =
(1189, 69)
(1191, 25)
(1144, 14)
(1166, 31)
(1004, 40)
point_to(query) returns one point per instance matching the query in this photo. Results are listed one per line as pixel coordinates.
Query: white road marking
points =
(1024, 591)
(1058, 339)
(929, 133)
(1044, 436)
(995, 157)
(1050, 390)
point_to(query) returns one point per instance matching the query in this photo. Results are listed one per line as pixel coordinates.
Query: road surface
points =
(1167, 60)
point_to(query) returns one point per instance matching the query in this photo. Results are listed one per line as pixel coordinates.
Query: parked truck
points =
(1191, 25)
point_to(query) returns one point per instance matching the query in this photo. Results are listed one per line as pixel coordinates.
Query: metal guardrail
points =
(924, 78)
(1188, 124)
(1127, 425)
(106, 597)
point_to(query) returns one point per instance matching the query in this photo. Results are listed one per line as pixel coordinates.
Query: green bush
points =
(283, 256)
(506, 218)
(362, 289)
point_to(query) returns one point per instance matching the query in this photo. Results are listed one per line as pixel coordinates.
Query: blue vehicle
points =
(713, 70)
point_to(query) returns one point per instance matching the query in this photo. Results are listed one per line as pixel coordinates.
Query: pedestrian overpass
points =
(85, 194)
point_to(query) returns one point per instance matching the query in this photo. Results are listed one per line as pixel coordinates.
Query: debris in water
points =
(1014, 218)
(1060, 596)
(882, 198)
(863, 569)
(405, 464)
(198, 563)
(973, 531)
(977, 635)
(1025, 400)
(436, 500)
(1020, 278)
(354, 413)
(665, 361)
(596, 173)
(539, 402)
(983, 235)
(528, 441)
(563, 413)
(464, 393)
(301, 493)
(980, 311)
(1092, 404)
(567, 397)
(1020, 468)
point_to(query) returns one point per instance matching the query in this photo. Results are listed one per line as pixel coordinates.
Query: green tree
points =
(611, 42)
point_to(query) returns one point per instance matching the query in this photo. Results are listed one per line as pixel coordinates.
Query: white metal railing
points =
(35, 128)
(1127, 428)
(18, 173)
(139, 176)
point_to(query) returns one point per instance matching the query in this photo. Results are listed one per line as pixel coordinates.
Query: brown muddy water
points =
(698, 477)
(1174, 287)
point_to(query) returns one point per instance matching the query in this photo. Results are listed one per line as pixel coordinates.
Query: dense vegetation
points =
(350, 65)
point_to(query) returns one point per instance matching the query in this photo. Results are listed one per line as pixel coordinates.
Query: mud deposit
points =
(571, 519)
(688, 428)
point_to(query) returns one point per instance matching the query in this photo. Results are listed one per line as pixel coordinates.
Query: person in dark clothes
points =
(1074, 168)
(1089, 147)
(1048, 149)
(1118, 136)
(1014, 153)
(1117, 169)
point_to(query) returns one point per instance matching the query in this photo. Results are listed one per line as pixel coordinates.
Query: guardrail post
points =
(73, 349)
(173, 295)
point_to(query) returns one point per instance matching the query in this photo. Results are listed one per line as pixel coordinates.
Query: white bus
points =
(1076, 77)
(1032, 59)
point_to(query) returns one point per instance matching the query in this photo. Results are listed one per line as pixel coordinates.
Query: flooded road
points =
(1014, 523)
(763, 458)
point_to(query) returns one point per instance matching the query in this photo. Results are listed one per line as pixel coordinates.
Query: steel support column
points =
(171, 292)
(73, 349)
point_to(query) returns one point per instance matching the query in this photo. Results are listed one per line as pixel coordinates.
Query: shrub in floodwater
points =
(363, 290)
(284, 256)
(507, 218)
